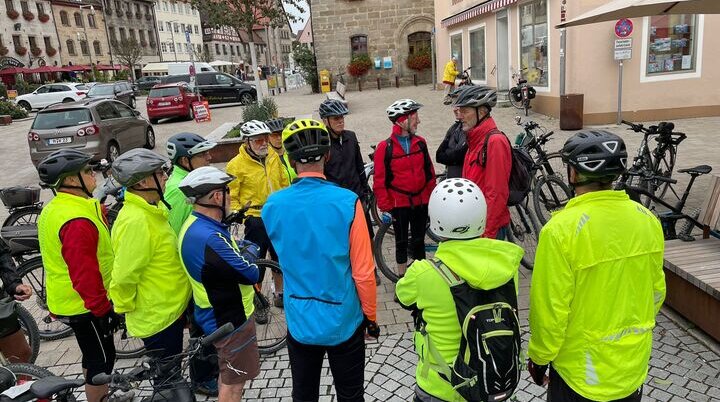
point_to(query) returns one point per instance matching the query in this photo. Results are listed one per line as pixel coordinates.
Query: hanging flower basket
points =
(44, 18)
(419, 62)
(359, 65)
(13, 14)
(22, 50)
(36, 51)
(51, 51)
(29, 16)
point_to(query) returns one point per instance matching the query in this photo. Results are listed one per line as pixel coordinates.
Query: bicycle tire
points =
(511, 98)
(23, 216)
(384, 242)
(126, 345)
(524, 232)
(32, 273)
(30, 328)
(378, 250)
(28, 372)
(687, 226)
(664, 166)
(553, 198)
(271, 336)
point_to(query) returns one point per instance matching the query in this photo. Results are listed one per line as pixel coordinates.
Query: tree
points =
(305, 60)
(128, 52)
(203, 56)
(244, 15)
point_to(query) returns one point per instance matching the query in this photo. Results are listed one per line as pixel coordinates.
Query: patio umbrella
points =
(106, 67)
(14, 70)
(617, 9)
(78, 68)
(46, 69)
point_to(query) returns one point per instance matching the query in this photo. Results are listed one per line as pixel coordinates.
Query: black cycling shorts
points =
(97, 347)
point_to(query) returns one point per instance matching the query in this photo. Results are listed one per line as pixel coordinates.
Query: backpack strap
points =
(389, 176)
(427, 162)
(446, 273)
(483, 161)
(387, 160)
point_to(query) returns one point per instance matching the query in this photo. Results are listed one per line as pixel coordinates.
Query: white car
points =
(52, 93)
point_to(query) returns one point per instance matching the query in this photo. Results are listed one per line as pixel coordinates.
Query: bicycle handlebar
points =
(645, 176)
(219, 333)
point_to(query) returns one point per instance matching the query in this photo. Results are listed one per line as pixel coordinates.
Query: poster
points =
(201, 110)
(387, 62)
(669, 64)
(686, 62)
(662, 44)
(378, 63)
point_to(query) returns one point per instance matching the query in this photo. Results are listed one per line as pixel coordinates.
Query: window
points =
(16, 41)
(223, 79)
(179, 47)
(182, 28)
(671, 44)
(113, 38)
(169, 26)
(24, 6)
(70, 45)
(123, 110)
(163, 46)
(418, 43)
(137, 8)
(106, 111)
(32, 42)
(232, 51)
(171, 47)
(147, 9)
(64, 18)
(151, 38)
(142, 35)
(534, 42)
(161, 26)
(164, 6)
(118, 5)
(238, 49)
(172, 5)
(78, 20)
(9, 5)
(217, 48)
(197, 30)
(456, 49)
(194, 11)
(358, 45)
(477, 54)
(187, 9)
(96, 47)
(40, 8)
(176, 27)
(84, 48)
(48, 43)
(91, 21)
(44, 89)
(122, 34)
(224, 49)
(132, 33)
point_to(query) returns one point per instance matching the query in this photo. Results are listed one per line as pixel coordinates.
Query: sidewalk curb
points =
(691, 329)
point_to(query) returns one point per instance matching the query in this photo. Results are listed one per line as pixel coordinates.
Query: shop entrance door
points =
(503, 52)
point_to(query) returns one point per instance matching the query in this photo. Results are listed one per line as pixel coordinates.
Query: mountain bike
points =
(384, 248)
(522, 93)
(23, 205)
(658, 162)
(524, 230)
(23, 382)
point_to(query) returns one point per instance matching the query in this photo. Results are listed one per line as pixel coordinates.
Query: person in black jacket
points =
(13, 344)
(451, 151)
(345, 166)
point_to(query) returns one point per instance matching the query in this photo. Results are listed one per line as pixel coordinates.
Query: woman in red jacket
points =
(404, 178)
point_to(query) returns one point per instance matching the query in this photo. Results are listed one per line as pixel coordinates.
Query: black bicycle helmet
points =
(188, 145)
(598, 155)
(332, 107)
(276, 125)
(475, 96)
(306, 140)
(54, 168)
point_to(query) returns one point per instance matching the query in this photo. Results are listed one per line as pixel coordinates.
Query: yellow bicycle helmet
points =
(306, 140)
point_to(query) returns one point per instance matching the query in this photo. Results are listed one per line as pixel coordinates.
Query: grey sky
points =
(296, 26)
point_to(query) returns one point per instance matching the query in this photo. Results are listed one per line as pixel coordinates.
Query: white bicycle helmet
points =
(457, 209)
(254, 128)
(401, 108)
(202, 181)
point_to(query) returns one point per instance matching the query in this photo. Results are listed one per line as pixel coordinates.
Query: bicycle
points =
(28, 382)
(524, 230)
(521, 94)
(465, 79)
(549, 191)
(164, 372)
(659, 162)
(674, 214)
(23, 205)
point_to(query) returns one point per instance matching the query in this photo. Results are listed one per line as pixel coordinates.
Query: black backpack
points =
(522, 165)
(487, 366)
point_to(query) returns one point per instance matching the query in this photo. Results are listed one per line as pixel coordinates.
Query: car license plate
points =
(57, 141)
(164, 104)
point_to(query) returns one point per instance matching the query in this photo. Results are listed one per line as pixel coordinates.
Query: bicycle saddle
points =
(702, 169)
(49, 386)
(522, 82)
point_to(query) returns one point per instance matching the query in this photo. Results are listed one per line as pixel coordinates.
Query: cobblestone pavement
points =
(683, 367)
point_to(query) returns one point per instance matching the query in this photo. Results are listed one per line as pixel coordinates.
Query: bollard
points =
(415, 79)
(359, 86)
(397, 82)
(378, 83)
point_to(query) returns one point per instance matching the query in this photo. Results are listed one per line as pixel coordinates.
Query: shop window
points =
(671, 44)
(477, 54)
(534, 42)
(456, 49)
(358, 45)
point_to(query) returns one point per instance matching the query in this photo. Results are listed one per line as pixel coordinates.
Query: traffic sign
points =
(623, 28)
(623, 54)
(623, 43)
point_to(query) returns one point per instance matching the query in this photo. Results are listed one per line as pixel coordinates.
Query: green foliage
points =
(256, 112)
(3, 90)
(25, 88)
(9, 108)
(270, 106)
(122, 75)
(305, 60)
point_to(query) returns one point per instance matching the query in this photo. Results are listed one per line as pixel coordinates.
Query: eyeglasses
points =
(259, 140)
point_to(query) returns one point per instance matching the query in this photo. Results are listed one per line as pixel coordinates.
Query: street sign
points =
(623, 43)
(623, 54)
(623, 28)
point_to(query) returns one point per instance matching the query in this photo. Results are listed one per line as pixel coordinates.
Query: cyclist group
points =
(596, 287)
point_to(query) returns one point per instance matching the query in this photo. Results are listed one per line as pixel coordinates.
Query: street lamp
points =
(87, 41)
(172, 36)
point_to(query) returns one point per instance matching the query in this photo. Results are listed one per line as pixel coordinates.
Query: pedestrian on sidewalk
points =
(598, 282)
(319, 232)
(449, 75)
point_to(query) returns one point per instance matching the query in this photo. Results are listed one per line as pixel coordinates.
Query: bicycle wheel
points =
(30, 328)
(32, 273)
(272, 332)
(24, 216)
(550, 194)
(384, 250)
(664, 166)
(524, 232)
(25, 372)
(553, 165)
(126, 345)
(518, 104)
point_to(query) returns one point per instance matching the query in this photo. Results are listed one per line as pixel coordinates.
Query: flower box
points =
(29, 16)
(22, 50)
(51, 51)
(36, 51)
(44, 18)
(13, 14)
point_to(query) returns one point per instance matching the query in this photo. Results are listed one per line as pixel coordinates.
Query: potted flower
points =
(12, 14)
(51, 51)
(3, 50)
(21, 50)
(29, 16)
(420, 61)
(36, 51)
(358, 67)
(44, 18)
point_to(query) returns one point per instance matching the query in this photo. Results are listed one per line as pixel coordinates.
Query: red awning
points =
(46, 69)
(78, 68)
(472, 12)
(106, 67)
(14, 70)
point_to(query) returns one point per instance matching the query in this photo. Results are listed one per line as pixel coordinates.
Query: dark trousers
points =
(255, 232)
(347, 365)
(204, 366)
(416, 218)
(165, 344)
(559, 391)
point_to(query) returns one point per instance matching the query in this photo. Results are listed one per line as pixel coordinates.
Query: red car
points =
(170, 100)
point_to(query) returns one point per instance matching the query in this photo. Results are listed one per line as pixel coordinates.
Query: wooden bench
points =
(692, 276)
(338, 93)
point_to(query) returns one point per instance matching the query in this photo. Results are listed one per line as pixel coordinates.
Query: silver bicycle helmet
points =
(254, 128)
(475, 96)
(402, 107)
(136, 164)
(202, 181)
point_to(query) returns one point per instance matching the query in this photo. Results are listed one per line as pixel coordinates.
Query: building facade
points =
(134, 20)
(304, 36)
(81, 32)
(225, 44)
(174, 19)
(664, 79)
(27, 33)
(389, 32)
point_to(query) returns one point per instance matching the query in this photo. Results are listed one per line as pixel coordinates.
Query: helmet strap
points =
(477, 114)
(221, 208)
(156, 189)
(82, 186)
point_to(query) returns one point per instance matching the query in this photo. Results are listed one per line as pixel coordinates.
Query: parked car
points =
(218, 87)
(120, 90)
(104, 128)
(52, 93)
(147, 82)
(170, 100)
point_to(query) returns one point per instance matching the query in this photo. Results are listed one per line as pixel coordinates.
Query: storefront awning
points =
(475, 11)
